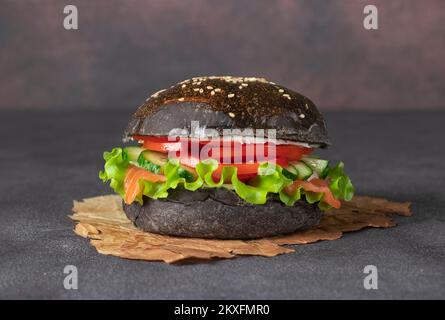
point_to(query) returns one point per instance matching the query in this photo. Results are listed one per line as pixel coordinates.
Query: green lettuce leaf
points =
(114, 170)
(270, 180)
(340, 184)
(267, 181)
(156, 190)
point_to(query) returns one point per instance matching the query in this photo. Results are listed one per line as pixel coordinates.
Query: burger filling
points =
(254, 171)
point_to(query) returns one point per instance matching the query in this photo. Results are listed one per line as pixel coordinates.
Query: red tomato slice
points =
(132, 178)
(192, 162)
(282, 162)
(159, 144)
(161, 147)
(246, 171)
(316, 185)
(291, 152)
(253, 152)
(227, 151)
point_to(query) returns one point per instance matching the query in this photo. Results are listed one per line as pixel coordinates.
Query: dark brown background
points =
(124, 50)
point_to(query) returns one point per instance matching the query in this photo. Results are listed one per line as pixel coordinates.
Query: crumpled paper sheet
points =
(102, 220)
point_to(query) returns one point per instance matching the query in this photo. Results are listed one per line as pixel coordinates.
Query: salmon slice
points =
(131, 182)
(316, 185)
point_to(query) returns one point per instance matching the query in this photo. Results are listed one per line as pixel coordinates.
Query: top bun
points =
(230, 103)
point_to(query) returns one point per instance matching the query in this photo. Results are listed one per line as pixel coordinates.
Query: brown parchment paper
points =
(102, 220)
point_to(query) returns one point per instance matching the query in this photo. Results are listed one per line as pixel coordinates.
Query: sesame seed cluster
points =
(239, 97)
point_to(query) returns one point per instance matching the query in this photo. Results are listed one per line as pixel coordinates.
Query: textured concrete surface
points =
(125, 50)
(50, 158)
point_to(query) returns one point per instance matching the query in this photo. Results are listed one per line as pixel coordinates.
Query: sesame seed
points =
(281, 90)
(181, 99)
(217, 90)
(230, 95)
(302, 116)
(287, 96)
(209, 87)
(183, 86)
(231, 115)
(244, 84)
(212, 92)
(240, 87)
(201, 90)
(306, 105)
(195, 89)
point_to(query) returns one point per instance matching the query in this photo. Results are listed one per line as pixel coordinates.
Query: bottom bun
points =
(220, 214)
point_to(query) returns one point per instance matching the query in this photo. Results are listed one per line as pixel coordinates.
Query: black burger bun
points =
(221, 103)
(220, 214)
(230, 103)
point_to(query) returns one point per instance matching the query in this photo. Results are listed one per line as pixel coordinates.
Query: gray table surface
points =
(49, 158)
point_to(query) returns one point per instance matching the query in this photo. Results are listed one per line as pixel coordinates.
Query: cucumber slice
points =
(151, 160)
(131, 153)
(318, 165)
(154, 157)
(149, 166)
(290, 172)
(186, 173)
(304, 171)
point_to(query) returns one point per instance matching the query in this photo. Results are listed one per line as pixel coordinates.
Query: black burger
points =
(225, 158)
